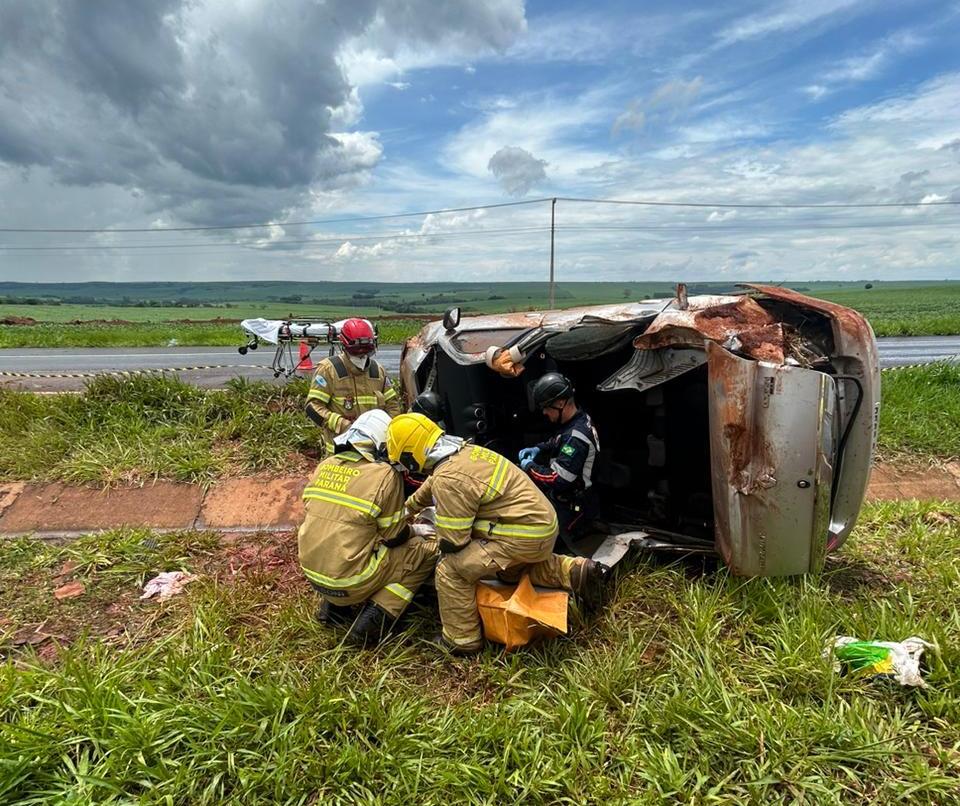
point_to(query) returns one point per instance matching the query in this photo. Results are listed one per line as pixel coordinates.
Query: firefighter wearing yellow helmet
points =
(491, 521)
(349, 383)
(355, 546)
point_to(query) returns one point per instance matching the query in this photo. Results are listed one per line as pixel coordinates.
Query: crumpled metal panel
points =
(736, 322)
(649, 368)
(772, 442)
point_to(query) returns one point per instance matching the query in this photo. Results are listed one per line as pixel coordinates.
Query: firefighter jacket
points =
(478, 493)
(340, 392)
(564, 464)
(354, 510)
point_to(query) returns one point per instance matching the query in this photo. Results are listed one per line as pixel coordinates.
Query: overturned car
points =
(742, 424)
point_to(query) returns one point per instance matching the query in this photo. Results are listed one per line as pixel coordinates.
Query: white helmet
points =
(367, 435)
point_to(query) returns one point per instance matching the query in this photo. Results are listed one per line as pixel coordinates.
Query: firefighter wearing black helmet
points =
(563, 465)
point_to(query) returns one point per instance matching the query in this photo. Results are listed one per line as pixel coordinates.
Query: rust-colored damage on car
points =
(747, 458)
(846, 319)
(741, 325)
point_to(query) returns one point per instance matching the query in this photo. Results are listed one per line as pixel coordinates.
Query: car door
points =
(773, 438)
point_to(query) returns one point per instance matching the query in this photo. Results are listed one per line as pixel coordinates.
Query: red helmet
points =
(357, 337)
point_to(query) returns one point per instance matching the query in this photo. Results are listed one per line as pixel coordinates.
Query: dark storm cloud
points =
(517, 170)
(212, 110)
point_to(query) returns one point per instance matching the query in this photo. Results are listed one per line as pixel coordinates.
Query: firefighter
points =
(349, 383)
(355, 546)
(563, 465)
(491, 520)
(429, 404)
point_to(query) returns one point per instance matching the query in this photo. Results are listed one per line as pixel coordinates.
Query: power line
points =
(524, 202)
(719, 228)
(265, 247)
(758, 205)
(266, 225)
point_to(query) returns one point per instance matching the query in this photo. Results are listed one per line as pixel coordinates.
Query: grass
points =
(154, 426)
(923, 310)
(920, 412)
(156, 334)
(693, 687)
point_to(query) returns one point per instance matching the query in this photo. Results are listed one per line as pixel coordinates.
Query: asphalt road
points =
(222, 363)
(214, 365)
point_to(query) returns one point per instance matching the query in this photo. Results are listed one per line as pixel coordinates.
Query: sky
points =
(161, 115)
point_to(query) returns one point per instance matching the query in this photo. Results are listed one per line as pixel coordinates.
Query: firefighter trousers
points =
(506, 559)
(392, 585)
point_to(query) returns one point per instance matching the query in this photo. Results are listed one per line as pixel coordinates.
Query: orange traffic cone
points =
(305, 365)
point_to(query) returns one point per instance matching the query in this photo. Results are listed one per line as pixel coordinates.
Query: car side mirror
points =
(451, 319)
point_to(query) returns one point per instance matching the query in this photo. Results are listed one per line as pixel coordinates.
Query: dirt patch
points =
(850, 577)
(217, 320)
(100, 322)
(891, 482)
(60, 508)
(9, 493)
(104, 607)
(254, 502)
(269, 558)
(18, 320)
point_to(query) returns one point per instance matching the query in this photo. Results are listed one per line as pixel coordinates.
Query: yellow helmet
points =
(409, 438)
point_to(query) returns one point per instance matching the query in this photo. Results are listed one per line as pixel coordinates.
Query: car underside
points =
(741, 424)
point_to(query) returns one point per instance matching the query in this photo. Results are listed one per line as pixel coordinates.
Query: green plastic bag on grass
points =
(900, 659)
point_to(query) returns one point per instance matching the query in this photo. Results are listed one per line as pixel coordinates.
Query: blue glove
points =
(526, 463)
(528, 455)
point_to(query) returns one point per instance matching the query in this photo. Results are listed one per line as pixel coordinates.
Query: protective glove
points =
(528, 455)
(527, 462)
(423, 529)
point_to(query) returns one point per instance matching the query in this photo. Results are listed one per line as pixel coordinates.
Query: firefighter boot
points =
(451, 648)
(331, 615)
(371, 626)
(589, 580)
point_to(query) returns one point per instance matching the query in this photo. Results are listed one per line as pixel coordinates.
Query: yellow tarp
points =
(515, 615)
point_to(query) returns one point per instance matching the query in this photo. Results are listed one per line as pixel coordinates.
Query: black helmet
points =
(428, 404)
(550, 387)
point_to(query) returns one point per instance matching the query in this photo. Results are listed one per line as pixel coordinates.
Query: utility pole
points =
(553, 230)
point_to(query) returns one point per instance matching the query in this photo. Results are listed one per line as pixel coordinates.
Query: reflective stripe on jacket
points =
(352, 507)
(564, 463)
(340, 392)
(479, 493)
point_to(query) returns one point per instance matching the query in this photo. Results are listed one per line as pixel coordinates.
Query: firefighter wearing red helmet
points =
(349, 383)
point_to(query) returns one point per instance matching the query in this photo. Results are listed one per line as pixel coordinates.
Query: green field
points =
(692, 686)
(157, 334)
(893, 308)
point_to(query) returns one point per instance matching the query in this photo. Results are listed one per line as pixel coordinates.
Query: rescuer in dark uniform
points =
(563, 465)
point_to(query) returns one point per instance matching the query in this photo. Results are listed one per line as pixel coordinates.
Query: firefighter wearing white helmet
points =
(350, 383)
(354, 544)
(491, 521)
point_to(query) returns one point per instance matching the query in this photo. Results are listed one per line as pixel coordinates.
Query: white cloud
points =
(726, 215)
(782, 18)
(865, 65)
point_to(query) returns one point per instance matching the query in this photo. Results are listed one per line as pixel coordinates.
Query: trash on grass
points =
(70, 591)
(167, 584)
(514, 615)
(898, 659)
